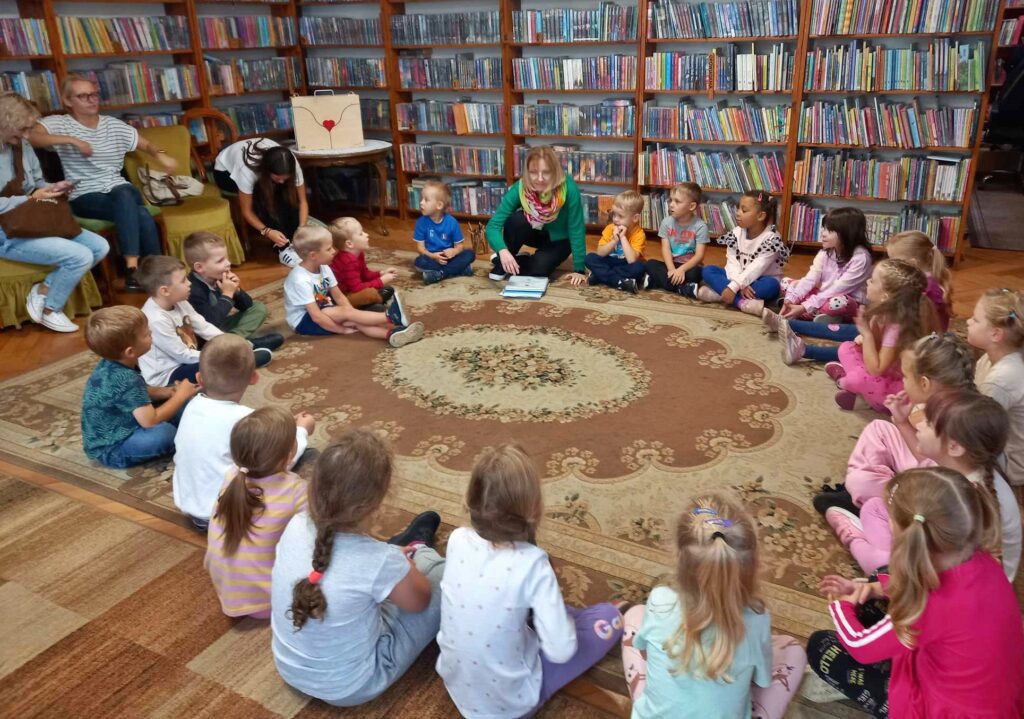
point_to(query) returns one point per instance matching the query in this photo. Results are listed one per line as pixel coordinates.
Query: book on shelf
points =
(607, 23)
(153, 119)
(875, 123)
(376, 113)
(460, 118)
(464, 28)
(452, 159)
(23, 36)
(586, 165)
(720, 217)
(943, 229)
(39, 86)
(610, 118)
(259, 75)
(874, 17)
(469, 197)
(320, 30)
(1009, 33)
(604, 72)
(726, 69)
(462, 72)
(136, 83)
(345, 71)
(99, 35)
(596, 207)
(730, 171)
(257, 118)
(723, 122)
(521, 287)
(745, 18)
(247, 31)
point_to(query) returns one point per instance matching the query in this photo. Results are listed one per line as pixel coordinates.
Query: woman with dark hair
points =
(270, 188)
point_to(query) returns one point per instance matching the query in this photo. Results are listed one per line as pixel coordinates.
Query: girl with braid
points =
(952, 643)
(350, 614)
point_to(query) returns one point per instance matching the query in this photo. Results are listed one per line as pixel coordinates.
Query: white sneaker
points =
(752, 307)
(58, 322)
(818, 690)
(792, 346)
(706, 294)
(288, 256)
(35, 303)
(771, 320)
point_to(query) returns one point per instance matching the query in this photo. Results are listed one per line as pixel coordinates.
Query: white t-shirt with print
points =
(232, 161)
(303, 287)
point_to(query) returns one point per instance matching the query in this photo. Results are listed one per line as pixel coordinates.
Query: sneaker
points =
(386, 293)
(58, 322)
(402, 336)
(288, 256)
(131, 280)
(706, 294)
(846, 524)
(752, 307)
(497, 273)
(688, 289)
(396, 313)
(846, 400)
(647, 281)
(468, 272)
(792, 346)
(270, 341)
(263, 356)
(818, 690)
(35, 303)
(431, 277)
(628, 285)
(826, 499)
(422, 528)
(835, 370)
(771, 320)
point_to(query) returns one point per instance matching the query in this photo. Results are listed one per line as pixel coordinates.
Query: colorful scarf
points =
(541, 208)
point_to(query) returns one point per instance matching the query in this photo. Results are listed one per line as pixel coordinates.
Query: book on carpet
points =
(525, 288)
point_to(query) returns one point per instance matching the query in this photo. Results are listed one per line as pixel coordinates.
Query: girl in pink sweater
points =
(953, 630)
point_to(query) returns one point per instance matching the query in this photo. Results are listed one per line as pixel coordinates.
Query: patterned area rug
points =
(628, 404)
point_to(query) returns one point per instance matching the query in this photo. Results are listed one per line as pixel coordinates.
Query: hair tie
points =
(243, 470)
(705, 510)
(919, 518)
(760, 197)
(717, 535)
(315, 577)
(1012, 315)
(892, 493)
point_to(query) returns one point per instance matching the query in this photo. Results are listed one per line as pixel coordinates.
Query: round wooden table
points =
(372, 153)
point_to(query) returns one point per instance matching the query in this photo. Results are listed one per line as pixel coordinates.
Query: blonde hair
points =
(944, 359)
(918, 249)
(16, 113)
(69, 81)
(717, 577)
(198, 246)
(112, 330)
(906, 304)
(937, 513)
(504, 497)
(156, 271)
(310, 238)
(1004, 309)
(441, 188)
(340, 231)
(545, 153)
(226, 364)
(690, 189)
(631, 201)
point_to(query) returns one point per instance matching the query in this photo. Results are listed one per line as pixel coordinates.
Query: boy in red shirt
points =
(363, 288)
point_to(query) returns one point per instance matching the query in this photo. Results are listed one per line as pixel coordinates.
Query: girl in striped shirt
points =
(256, 501)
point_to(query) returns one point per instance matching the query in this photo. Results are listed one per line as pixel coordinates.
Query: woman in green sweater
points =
(542, 210)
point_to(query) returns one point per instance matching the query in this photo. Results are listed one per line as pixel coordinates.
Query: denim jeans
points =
(136, 229)
(456, 265)
(766, 288)
(609, 270)
(144, 444)
(72, 258)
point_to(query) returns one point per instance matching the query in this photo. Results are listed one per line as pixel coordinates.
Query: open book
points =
(529, 288)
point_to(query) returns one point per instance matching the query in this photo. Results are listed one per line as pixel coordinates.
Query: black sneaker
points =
(628, 285)
(834, 498)
(131, 282)
(396, 313)
(270, 341)
(263, 356)
(386, 293)
(688, 289)
(422, 528)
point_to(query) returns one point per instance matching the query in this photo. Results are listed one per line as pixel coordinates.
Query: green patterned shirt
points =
(112, 393)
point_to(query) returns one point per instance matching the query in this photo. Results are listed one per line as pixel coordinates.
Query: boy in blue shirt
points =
(120, 425)
(684, 237)
(438, 237)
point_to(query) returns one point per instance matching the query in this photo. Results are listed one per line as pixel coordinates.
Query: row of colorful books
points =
(944, 64)
(720, 217)
(863, 17)
(232, 77)
(462, 72)
(742, 18)
(376, 113)
(606, 72)
(746, 122)
(469, 197)
(23, 36)
(1009, 33)
(587, 165)
(345, 71)
(321, 30)
(911, 179)
(887, 124)
(611, 118)
(39, 86)
(259, 117)
(805, 225)
(731, 171)
(246, 31)
(456, 117)
(723, 69)
(596, 207)
(98, 35)
(446, 28)
(133, 83)
(453, 159)
(609, 22)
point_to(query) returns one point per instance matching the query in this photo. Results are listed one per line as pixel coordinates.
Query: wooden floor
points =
(32, 345)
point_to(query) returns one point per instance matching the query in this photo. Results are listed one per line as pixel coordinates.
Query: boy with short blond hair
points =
(217, 293)
(361, 286)
(120, 426)
(619, 260)
(439, 238)
(684, 238)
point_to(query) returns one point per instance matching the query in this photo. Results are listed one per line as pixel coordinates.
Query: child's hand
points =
(728, 295)
(228, 274)
(306, 421)
(748, 293)
(226, 286)
(440, 257)
(448, 253)
(388, 276)
(184, 388)
(861, 321)
(677, 275)
(899, 405)
(833, 585)
(791, 311)
(576, 278)
(859, 340)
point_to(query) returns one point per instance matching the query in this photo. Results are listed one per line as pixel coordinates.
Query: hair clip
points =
(892, 492)
(717, 535)
(919, 518)
(315, 577)
(1012, 314)
(705, 510)
(719, 522)
(243, 470)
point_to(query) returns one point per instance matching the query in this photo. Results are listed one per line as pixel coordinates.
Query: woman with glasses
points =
(92, 147)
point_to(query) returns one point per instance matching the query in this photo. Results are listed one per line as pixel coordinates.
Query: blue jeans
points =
(456, 265)
(72, 258)
(609, 270)
(136, 229)
(766, 288)
(184, 371)
(144, 444)
(819, 330)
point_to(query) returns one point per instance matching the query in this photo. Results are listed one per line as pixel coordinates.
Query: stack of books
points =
(730, 171)
(611, 118)
(462, 72)
(745, 18)
(23, 36)
(466, 28)
(747, 122)
(608, 23)
(871, 17)
(345, 71)
(606, 72)
(136, 83)
(453, 159)
(460, 118)
(913, 179)
(38, 86)
(886, 124)
(519, 287)
(724, 69)
(107, 35)
(340, 31)
(245, 32)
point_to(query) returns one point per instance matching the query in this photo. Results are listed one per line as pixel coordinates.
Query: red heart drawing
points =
(329, 124)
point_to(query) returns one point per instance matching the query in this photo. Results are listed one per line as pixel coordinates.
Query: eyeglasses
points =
(88, 97)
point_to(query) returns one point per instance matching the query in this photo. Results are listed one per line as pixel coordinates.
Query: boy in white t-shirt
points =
(314, 305)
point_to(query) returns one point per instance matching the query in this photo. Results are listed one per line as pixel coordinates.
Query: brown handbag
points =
(35, 218)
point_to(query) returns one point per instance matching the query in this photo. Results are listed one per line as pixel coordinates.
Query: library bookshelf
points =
(770, 128)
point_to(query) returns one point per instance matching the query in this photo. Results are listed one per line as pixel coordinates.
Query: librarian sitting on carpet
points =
(542, 210)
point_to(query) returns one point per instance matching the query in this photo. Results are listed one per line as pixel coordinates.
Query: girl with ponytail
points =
(705, 648)
(350, 614)
(917, 248)
(953, 631)
(258, 498)
(508, 640)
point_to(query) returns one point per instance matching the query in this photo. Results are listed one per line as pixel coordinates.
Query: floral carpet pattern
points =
(629, 406)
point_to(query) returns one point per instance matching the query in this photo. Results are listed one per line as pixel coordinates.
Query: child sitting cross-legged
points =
(438, 237)
(216, 292)
(315, 306)
(203, 445)
(705, 648)
(684, 238)
(363, 288)
(619, 260)
(257, 498)
(120, 425)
